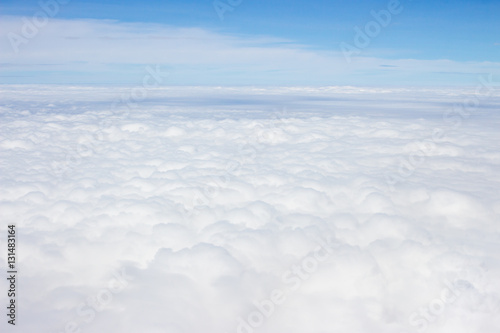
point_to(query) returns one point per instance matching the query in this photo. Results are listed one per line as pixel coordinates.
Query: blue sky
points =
(256, 43)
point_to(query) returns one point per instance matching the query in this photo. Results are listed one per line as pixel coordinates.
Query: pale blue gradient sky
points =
(257, 43)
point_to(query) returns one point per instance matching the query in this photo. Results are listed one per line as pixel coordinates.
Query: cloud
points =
(176, 216)
(86, 48)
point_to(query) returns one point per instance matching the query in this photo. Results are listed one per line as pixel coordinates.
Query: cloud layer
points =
(203, 210)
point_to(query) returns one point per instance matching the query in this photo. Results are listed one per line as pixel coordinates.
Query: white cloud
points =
(200, 56)
(207, 208)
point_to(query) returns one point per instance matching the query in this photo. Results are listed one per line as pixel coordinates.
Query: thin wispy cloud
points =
(199, 55)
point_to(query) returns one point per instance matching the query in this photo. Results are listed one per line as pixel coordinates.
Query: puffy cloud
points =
(342, 213)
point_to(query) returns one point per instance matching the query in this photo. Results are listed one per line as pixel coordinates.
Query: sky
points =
(173, 167)
(250, 42)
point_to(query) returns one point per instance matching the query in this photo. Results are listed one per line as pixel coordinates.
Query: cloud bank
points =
(229, 216)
